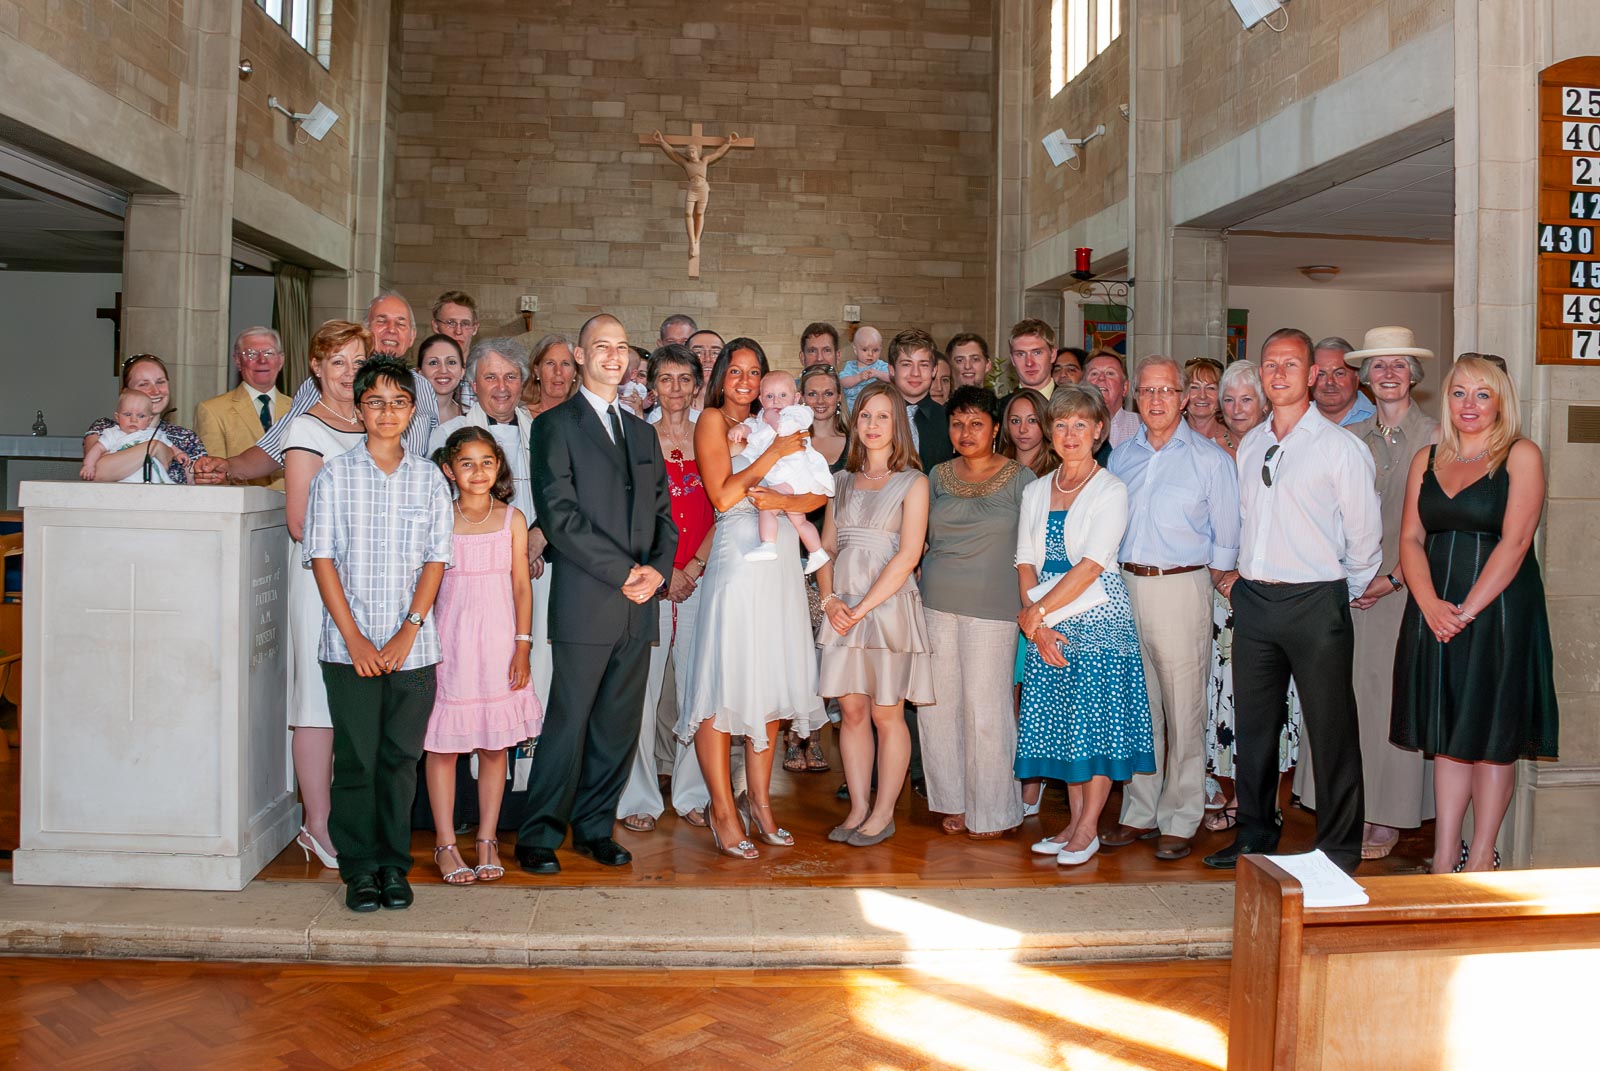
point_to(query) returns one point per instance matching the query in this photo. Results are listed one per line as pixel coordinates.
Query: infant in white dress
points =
(136, 426)
(796, 474)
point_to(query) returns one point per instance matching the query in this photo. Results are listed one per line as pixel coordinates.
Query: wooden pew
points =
(1435, 971)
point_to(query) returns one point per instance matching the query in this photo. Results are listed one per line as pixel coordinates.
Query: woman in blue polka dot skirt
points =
(1085, 713)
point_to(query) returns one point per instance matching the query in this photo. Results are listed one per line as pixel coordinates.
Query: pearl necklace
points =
(351, 420)
(1074, 490)
(865, 475)
(470, 521)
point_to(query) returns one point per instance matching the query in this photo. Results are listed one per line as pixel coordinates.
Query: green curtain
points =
(291, 318)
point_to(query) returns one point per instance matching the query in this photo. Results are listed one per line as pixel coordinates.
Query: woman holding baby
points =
(169, 444)
(750, 665)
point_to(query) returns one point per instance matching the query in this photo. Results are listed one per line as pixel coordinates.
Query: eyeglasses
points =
(456, 325)
(1270, 463)
(377, 405)
(259, 355)
(1159, 392)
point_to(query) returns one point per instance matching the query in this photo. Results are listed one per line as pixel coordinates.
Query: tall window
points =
(1079, 31)
(309, 22)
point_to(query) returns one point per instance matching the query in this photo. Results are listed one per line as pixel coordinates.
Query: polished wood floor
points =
(918, 855)
(72, 1014)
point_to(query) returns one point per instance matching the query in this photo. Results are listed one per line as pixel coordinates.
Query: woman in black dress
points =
(1473, 684)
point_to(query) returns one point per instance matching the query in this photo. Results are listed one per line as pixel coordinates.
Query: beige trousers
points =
(1173, 616)
(969, 737)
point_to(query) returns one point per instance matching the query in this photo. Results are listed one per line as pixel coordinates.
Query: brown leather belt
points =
(1150, 570)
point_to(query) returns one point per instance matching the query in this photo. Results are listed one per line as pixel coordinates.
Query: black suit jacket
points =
(596, 534)
(933, 434)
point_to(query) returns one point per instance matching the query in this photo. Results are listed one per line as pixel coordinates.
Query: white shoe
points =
(1047, 847)
(764, 552)
(309, 845)
(1031, 809)
(816, 560)
(1067, 858)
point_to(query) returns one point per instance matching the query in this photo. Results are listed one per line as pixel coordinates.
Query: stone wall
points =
(518, 168)
(315, 173)
(1230, 80)
(1059, 196)
(133, 49)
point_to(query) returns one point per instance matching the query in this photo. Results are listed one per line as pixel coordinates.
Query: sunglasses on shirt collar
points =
(1270, 463)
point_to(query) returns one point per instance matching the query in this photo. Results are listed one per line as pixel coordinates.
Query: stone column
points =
(1012, 77)
(1501, 46)
(178, 247)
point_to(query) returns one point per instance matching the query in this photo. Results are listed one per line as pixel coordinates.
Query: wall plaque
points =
(1568, 233)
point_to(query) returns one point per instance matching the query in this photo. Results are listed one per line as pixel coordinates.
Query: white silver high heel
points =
(308, 845)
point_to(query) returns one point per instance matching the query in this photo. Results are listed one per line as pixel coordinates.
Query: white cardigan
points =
(1095, 522)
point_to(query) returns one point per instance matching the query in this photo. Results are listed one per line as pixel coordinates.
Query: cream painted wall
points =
(1351, 313)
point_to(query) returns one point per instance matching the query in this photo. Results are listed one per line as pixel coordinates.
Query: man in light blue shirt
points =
(1182, 537)
(1338, 391)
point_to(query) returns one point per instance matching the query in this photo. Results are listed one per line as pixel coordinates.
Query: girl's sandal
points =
(816, 761)
(794, 759)
(486, 870)
(460, 873)
(954, 824)
(1223, 820)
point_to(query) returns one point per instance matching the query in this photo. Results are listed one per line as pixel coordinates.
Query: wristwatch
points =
(523, 637)
(414, 618)
(1396, 583)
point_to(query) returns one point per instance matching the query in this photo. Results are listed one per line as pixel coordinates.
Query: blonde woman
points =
(1473, 684)
(552, 375)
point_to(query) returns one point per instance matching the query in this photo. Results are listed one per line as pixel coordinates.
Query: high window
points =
(1079, 31)
(309, 22)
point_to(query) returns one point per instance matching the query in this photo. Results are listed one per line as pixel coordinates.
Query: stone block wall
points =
(315, 173)
(1230, 80)
(518, 168)
(132, 49)
(1059, 196)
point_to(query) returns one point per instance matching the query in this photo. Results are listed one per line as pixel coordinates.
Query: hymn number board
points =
(1569, 213)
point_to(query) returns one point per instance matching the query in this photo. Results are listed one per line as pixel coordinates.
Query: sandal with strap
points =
(1224, 819)
(794, 758)
(487, 871)
(461, 873)
(639, 823)
(816, 761)
(953, 825)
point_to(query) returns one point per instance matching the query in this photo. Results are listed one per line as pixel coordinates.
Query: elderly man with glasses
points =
(231, 423)
(1310, 542)
(1182, 537)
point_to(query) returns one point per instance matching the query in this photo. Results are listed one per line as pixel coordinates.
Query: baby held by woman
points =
(136, 426)
(797, 474)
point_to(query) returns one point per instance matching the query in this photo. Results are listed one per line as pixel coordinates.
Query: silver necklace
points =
(865, 475)
(1473, 459)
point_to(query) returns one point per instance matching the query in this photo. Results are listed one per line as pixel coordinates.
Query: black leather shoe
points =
(361, 894)
(538, 860)
(1228, 858)
(604, 851)
(397, 894)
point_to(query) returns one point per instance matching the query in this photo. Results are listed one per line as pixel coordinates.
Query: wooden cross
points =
(696, 165)
(114, 314)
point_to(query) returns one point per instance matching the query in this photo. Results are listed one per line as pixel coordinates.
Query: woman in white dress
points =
(331, 427)
(751, 665)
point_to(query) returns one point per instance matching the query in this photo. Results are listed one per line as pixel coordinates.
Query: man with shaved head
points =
(600, 493)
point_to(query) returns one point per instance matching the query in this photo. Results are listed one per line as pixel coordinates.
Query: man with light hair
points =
(1182, 537)
(231, 422)
(394, 329)
(676, 331)
(1338, 391)
(455, 314)
(1033, 354)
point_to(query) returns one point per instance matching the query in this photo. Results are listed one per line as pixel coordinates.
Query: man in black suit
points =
(600, 492)
(911, 359)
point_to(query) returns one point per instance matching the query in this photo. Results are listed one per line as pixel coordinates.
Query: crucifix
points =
(114, 314)
(133, 611)
(695, 165)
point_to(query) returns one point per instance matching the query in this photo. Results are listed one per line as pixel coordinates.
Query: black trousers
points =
(378, 727)
(1304, 631)
(590, 732)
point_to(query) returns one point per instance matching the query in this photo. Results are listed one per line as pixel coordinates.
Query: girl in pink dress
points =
(484, 615)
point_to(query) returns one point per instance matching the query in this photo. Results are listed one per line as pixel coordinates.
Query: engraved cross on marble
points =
(132, 610)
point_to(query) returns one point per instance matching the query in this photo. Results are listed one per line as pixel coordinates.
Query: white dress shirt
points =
(1319, 520)
(602, 409)
(1124, 426)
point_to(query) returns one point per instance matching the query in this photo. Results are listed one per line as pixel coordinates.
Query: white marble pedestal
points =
(154, 677)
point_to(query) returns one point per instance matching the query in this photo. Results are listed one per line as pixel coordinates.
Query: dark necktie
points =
(266, 412)
(622, 446)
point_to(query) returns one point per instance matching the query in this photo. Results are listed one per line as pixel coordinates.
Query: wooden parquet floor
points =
(66, 1015)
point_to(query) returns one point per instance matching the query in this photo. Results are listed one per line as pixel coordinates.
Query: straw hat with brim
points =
(1387, 342)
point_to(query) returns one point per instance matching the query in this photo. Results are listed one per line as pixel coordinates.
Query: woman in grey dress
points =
(875, 651)
(971, 602)
(750, 666)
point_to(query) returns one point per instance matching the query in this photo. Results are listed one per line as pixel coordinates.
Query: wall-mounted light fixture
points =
(1064, 150)
(316, 123)
(1251, 12)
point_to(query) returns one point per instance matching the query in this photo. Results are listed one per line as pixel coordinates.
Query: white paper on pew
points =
(1322, 883)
